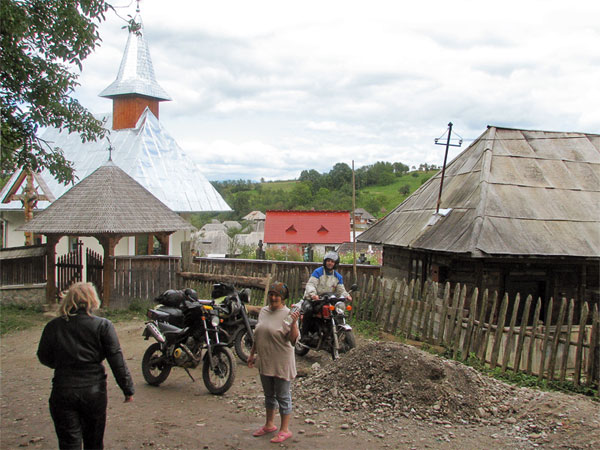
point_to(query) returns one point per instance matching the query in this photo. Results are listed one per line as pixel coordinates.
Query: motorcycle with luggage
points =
(186, 331)
(329, 330)
(236, 327)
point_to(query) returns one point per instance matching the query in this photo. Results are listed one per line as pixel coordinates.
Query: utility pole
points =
(354, 223)
(448, 144)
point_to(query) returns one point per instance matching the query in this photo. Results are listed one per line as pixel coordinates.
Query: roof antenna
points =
(448, 144)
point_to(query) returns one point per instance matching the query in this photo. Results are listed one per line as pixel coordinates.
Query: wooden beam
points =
(51, 241)
(108, 244)
(255, 282)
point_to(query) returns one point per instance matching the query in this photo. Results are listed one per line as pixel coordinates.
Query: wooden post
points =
(467, 344)
(499, 331)
(557, 330)
(186, 256)
(444, 314)
(511, 333)
(108, 244)
(546, 339)
(567, 347)
(521, 341)
(488, 332)
(579, 350)
(536, 319)
(51, 241)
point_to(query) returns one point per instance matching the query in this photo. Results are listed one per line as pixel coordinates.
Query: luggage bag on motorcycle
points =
(171, 297)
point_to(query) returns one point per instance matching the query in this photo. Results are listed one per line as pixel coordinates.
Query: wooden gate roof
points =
(108, 201)
(511, 192)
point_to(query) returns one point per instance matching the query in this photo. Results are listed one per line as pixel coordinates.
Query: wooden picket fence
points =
(567, 349)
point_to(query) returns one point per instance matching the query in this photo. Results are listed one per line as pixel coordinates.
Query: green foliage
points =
(42, 42)
(404, 189)
(135, 311)
(284, 254)
(519, 378)
(366, 329)
(348, 258)
(20, 317)
(380, 187)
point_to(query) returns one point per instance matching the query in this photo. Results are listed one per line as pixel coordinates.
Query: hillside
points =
(378, 196)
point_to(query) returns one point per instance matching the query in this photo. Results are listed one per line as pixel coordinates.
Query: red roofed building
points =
(321, 231)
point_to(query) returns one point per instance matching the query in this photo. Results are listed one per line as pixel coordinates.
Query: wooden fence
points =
(23, 265)
(559, 346)
(142, 277)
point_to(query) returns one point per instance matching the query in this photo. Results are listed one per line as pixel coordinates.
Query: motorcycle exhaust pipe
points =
(155, 332)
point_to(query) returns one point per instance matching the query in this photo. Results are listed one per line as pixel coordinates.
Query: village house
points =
(518, 214)
(363, 219)
(138, 144)
(307, 232)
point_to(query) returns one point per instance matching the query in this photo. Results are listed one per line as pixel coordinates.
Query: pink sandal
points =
(281, 436)
(262, 431)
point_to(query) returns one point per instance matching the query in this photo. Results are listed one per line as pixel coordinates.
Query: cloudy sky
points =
(266, 89)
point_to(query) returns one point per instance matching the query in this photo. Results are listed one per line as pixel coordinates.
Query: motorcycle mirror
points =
(245, 295)
(354, 287)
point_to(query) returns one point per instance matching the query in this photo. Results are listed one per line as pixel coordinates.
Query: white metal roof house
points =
(139, 145)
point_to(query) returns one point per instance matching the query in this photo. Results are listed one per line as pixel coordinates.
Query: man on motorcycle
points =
(323, 280)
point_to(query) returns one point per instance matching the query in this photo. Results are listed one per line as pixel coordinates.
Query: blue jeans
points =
(278, 393)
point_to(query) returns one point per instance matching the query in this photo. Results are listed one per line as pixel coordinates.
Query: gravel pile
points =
(387, 379)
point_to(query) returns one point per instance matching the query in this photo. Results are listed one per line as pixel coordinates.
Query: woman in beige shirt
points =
(273, 355)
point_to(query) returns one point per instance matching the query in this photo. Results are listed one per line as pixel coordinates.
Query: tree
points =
(42, 42)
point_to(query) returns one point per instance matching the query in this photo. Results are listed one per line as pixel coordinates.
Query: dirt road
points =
(183, 415)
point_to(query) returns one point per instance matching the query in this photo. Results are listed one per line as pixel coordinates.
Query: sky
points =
(266, 89)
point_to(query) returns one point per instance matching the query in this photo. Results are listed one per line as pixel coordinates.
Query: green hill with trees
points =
(380, 187)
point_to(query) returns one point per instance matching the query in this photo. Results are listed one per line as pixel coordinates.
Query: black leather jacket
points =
(75, 349)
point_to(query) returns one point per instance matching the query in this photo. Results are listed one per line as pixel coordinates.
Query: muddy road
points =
(181, 414)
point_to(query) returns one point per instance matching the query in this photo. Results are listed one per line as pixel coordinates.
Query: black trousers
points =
(79, 414)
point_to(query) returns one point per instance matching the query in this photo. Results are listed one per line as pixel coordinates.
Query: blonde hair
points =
(79, 295)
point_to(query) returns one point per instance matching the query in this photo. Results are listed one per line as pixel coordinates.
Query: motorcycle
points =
(195, 342)
(332, 333)
(236, 326)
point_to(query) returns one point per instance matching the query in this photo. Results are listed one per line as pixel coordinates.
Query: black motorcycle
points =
(236, 327)
(196, 341)
(329, 330)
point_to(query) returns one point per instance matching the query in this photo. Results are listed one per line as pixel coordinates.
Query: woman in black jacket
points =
(74, 345)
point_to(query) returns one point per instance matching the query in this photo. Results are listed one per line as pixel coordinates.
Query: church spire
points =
(135, 87)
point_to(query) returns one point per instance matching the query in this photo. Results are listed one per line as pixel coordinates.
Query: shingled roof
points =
(108, 201)
(511, 192)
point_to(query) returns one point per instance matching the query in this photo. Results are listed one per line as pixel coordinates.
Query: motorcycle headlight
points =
(340, 307)
(214, 321)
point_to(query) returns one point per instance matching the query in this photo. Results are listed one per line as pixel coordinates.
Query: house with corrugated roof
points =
(519, 212)
(301, 231)
(137, 143)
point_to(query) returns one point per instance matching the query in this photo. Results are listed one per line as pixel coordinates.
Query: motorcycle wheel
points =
(154, 370)
(347, 341)
(220, 378)
(300, 350)
(243, 344)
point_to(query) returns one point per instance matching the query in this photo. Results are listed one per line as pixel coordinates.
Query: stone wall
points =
(23, 295)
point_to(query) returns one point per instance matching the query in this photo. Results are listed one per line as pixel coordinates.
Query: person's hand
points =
(295, 316)
(251, 360)
(314, 297)
(349, 298)
(128, 399)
